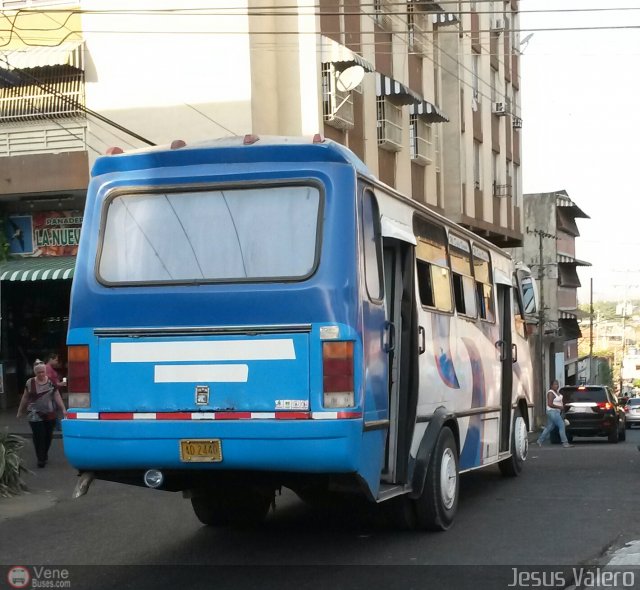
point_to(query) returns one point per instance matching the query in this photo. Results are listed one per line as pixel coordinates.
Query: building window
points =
(417, 29)
(42, 93)
(337, 106)
(382, 11)
(477, 165)
(420, 140)
(475, 62)
(389, 125)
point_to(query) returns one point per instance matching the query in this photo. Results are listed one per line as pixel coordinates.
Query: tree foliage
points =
(11, 465)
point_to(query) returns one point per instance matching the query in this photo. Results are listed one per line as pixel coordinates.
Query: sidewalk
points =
(18, 425)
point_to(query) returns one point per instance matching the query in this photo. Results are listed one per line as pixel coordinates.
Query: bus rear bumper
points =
(305, 446)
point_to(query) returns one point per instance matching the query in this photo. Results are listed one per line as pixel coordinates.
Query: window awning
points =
(41, 268)
(570, 328)
(69, 53)
(401, 94)
(565, 259)
(428, 111)
(342, 57)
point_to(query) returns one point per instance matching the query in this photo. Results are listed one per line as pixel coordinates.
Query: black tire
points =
(627, 425)
(622, 433)
(569, 437)
(512, 466)
(437, 505)
(237, 506)
(555, 437)
(614, 435)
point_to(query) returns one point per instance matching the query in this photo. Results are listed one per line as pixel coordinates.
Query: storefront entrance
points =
(35, 315)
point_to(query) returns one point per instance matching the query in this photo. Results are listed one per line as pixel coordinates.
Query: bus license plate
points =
(201, 451)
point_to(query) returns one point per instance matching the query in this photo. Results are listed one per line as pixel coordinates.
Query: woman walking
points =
(40, 399)
(554, 416)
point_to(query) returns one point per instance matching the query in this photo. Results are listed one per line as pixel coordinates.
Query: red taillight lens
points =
(337, 374)
(605, 405)
(78, 357)
(626, 408)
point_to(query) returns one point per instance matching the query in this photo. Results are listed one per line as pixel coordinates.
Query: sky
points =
(580, 93)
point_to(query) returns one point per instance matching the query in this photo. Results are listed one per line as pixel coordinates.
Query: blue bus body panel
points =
(153, 374)
(309, 446)
(246, 315)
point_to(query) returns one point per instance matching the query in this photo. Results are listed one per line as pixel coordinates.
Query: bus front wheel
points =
(237, 506)
(436, 506)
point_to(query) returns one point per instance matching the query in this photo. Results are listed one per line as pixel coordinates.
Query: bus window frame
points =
(431, 264)
(462, 276)
(119, 191)
(480, 300)
(378, 243)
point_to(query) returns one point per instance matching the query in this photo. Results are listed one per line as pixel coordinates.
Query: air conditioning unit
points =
(502, 190)
(497, 25)
(517, 123)
(500, 109)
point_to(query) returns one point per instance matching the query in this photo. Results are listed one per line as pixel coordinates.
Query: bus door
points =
(508, 352)
(402, 350)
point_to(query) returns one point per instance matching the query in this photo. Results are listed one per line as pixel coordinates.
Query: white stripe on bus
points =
(203, 350)
(144, 416)
(201, 373)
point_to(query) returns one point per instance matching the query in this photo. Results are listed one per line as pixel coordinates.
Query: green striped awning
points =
(42, 268)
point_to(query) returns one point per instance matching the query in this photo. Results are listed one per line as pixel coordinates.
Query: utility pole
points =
(541, 321)
(624, 329)
(541, 313)
(591, 331)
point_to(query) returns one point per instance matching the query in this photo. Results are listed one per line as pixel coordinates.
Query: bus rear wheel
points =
(519, 447)
(437, 505)
(231, 506)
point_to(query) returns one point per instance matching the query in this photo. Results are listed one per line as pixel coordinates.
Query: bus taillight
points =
(337, 373)
(79, 391)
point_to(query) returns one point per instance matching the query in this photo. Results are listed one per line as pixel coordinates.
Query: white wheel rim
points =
(448, 478)
(520, 439)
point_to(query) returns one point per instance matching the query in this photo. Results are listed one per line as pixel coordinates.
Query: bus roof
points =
(236, 150)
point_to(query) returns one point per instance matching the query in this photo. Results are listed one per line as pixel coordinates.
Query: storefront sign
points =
(47, 233)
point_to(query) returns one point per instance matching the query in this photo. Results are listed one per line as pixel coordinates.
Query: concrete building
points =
(432, 108)
(549, 248)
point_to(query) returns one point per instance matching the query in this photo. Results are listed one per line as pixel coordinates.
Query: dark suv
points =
(592, 410)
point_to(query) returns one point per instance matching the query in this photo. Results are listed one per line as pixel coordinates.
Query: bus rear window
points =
(261, 233)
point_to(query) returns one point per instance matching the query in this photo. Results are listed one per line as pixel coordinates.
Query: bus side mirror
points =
(529, 294)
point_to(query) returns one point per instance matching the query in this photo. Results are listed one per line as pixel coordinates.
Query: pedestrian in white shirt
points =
(554, 416)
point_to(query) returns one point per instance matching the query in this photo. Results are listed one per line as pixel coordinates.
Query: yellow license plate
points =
(201, 451)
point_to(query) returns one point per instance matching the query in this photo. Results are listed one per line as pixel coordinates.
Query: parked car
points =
(632, 409)
(592, 410)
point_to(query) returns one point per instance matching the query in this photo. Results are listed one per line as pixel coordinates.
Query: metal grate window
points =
(56, 91)
(389, 125)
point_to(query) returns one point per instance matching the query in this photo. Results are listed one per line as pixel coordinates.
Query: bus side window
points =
(372, 248)
(434, 280)
(458, 293)
(484, 289)
(463, 285)
(425, 285)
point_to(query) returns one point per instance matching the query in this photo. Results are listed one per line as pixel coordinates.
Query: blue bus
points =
(253, 313)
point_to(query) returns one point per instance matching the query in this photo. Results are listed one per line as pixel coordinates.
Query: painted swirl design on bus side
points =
(440, 330)
(470, 455)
